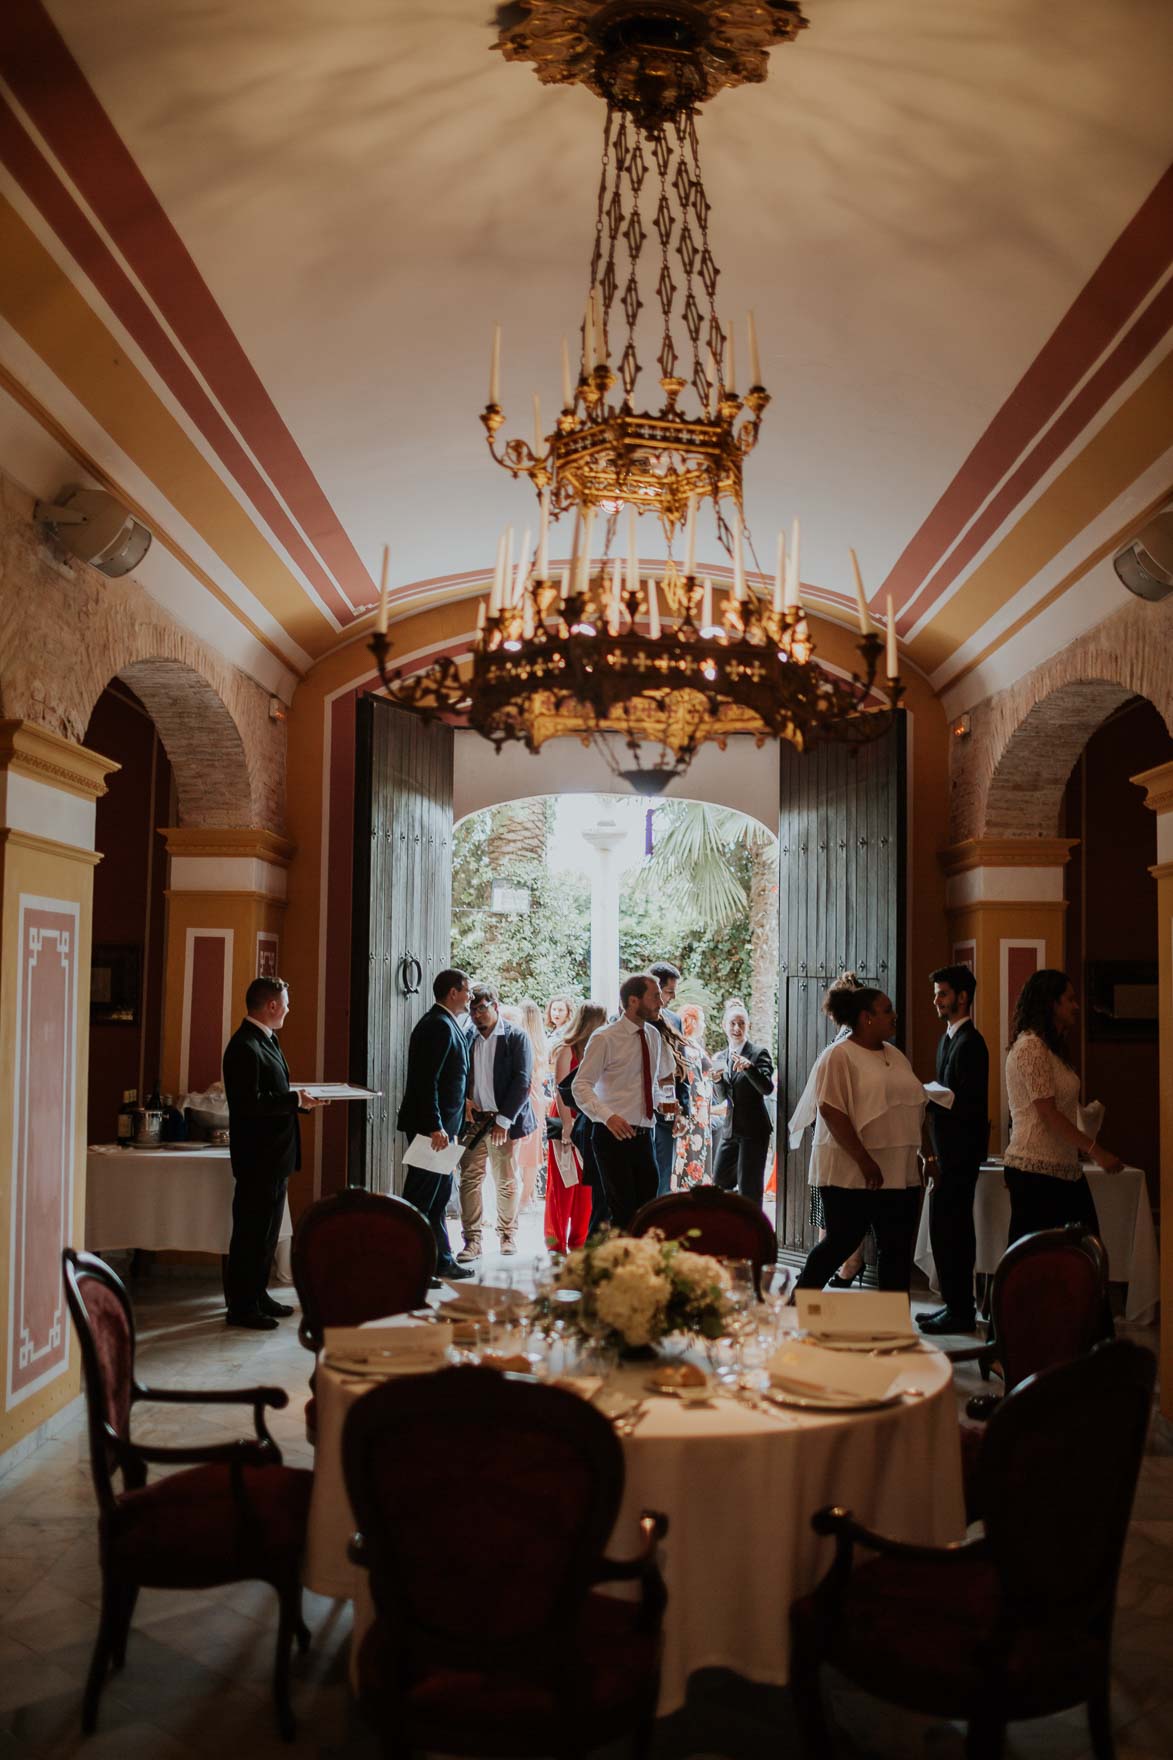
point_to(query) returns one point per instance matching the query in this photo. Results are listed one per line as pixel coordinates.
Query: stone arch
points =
(1026, 789)
(202, 742)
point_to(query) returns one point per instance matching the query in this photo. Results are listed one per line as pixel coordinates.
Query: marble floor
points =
(197, 1672)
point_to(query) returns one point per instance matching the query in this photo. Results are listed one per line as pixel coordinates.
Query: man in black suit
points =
(265, 1148)
(433, 1103)
(667, 1130)
(960, 1137)
(501, 1070)
(743, 1076)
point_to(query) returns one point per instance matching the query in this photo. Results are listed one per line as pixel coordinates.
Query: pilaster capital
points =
(27, 749)
(1007, 852)
(228, 842)
(1158, 786)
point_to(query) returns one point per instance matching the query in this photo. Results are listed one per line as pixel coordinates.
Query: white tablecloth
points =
(165, 1198)
(1125, 1226)
(739, 1489)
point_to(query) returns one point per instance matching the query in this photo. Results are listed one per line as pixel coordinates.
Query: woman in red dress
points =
(568, 1206)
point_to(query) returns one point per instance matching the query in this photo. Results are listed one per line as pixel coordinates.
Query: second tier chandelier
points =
(598, 647)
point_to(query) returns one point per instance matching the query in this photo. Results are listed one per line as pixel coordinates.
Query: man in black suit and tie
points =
(667, 1130)
(960, 1137)
(265, 1148)
(743, 1077)
(433, 1103)
(502, 1067)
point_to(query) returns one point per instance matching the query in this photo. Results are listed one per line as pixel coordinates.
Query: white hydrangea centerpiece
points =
(635, 1291)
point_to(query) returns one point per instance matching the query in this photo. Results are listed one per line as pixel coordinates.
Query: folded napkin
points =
(472, 1301)
(940, 1095)
(804, 1368)
(416, 1343)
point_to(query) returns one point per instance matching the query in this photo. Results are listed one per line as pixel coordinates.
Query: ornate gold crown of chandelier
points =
(599, 648)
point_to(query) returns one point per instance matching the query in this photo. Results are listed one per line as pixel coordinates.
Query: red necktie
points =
(643, 1045)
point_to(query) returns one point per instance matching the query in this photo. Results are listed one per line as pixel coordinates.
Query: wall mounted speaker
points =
(1145, 564)
(96, 528)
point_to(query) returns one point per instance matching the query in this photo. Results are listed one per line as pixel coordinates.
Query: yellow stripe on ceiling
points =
(1123, 449)
(47, 310)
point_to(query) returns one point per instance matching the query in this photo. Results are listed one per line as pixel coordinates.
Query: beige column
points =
(48, 790)
(1158, 787)
(1007, 918)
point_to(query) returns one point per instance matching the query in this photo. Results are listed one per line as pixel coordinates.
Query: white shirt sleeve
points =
(585, 1077)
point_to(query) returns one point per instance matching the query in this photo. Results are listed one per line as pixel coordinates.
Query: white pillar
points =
(605, 838)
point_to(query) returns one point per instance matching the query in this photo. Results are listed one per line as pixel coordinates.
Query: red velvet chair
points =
(235, 1514)
(358, 1256)
(483, 1506)
(1048, 1305)
(724, 1224)
(1014, 1624)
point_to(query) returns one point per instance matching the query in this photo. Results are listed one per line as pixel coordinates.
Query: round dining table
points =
(739, 1485)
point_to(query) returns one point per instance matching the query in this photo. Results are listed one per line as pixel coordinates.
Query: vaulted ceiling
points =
(251, 255)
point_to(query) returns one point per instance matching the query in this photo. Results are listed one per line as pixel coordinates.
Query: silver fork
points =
(627, 1421)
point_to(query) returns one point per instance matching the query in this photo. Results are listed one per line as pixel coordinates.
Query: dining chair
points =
(234, 1514)
(1017, 1622)
(1048, 1305)
(721, 1223)
(483, 1505)
(358, 1256)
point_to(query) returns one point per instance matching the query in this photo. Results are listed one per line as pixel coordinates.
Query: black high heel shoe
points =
(838, 1282)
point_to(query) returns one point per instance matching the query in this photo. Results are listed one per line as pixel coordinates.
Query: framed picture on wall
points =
(1121, 999)
(114, 984)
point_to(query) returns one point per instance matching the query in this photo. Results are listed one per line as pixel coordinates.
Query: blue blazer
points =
(437, 1076)
(513, 1070)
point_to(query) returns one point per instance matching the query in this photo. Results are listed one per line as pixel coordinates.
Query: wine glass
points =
(498, 1286)
(776, 1284)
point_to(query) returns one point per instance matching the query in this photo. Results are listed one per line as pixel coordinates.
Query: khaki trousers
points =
(502, 1164)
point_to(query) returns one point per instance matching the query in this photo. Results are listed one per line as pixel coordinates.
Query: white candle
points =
(522, 569)
(707, 608)
(495, 595)
(495, 367)
(584, 566)
(795, 593)
(544, 537)
(755, 364)
(527, 619)
(632, 552)
(616, 597)
(861, 598)
(780, 576)
(539, 443)
(565, 589)
(507, 569)
(567, 387)
(730, 361)
(653, 610)
(740, 590)
(481, 611)
(381, 619)
(893, 661)
(690, 538)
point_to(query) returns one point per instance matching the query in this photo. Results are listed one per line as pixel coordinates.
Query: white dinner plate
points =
(872, 1347)
(377, 1367)
(813, 1402)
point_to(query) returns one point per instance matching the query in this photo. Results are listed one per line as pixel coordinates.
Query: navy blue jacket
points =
(513, 1070)
(437, 1076)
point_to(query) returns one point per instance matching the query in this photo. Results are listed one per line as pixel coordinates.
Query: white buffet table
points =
(739, 1488)
(1125, 1226)
(172, 1197)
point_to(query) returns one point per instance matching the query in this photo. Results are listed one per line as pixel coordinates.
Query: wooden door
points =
(402, 934)
(841, 903)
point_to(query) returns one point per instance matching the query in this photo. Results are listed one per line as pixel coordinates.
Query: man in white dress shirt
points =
(502, 1065)
(627, 1074)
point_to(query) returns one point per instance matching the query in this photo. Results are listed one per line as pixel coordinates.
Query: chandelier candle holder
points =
(603, 647)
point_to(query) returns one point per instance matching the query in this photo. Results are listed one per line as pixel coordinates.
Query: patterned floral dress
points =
(694, 1148)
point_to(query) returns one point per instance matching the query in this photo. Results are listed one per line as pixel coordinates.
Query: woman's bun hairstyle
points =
(835, 1002)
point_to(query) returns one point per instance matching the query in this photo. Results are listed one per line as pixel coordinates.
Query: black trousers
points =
(1039, 1200)
(629, 1172)
(258, 1204)
(430, 1193)
(951, 1232)
(741, 1166)
(848, 1212)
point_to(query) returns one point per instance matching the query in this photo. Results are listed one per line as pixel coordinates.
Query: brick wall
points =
(66, 631)
(1007, 779)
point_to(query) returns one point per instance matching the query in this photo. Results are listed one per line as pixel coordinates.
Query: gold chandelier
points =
(599, 648)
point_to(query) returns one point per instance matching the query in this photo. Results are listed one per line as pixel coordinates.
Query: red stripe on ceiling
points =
(1153, 323)
(50, 86)
(45, 190)
(1127, 274)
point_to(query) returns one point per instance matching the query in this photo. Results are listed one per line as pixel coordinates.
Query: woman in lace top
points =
(1043, 1160)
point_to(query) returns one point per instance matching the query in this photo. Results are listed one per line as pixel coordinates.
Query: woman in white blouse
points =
(1044, 1157)
(866, 1151)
